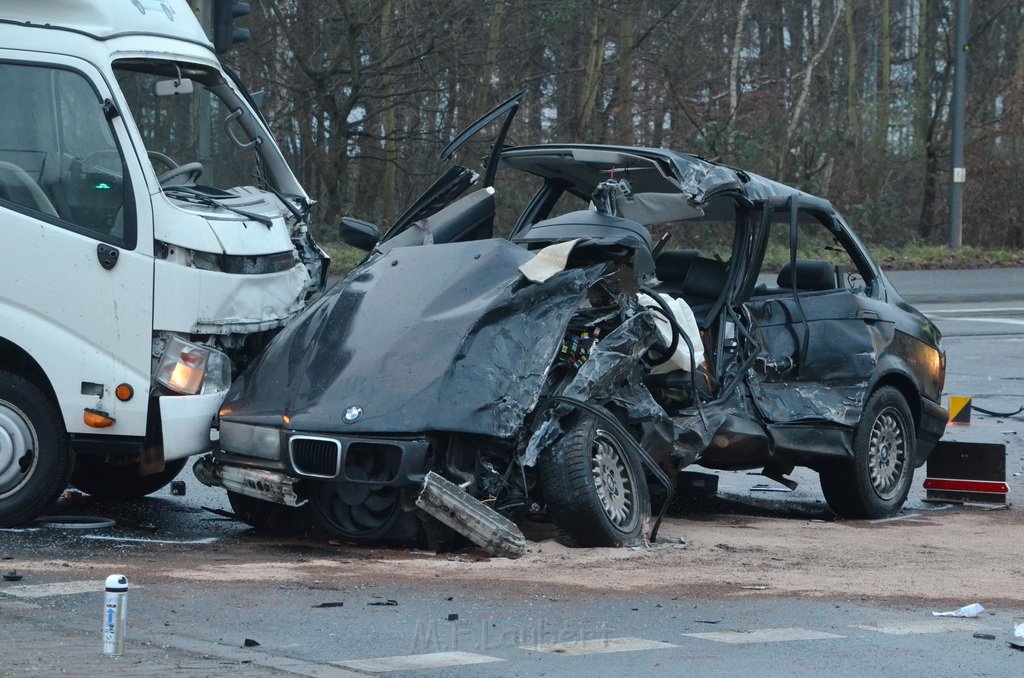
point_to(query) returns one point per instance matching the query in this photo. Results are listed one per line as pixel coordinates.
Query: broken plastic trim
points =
(625, 436)
(470, 517)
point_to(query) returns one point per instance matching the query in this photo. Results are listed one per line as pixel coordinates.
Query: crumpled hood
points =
(447, 337)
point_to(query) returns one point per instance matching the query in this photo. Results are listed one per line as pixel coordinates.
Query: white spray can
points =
(115, 614)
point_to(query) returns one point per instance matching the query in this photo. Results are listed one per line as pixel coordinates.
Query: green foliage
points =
(914, 256)
(343, 257)
(921, 256)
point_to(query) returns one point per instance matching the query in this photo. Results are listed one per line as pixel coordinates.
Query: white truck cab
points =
(152, 238)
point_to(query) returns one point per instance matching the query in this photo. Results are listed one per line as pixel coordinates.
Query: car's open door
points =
(448, 188)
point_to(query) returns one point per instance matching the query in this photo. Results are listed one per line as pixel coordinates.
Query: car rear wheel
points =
(114, 481)
(35, 461)
(875, 483)
(594, 486)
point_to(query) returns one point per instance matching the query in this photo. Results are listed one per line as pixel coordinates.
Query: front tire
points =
(594, 486)
(267, 516)
(875, 483)
(35, 460)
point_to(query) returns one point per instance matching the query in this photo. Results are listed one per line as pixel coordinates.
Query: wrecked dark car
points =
(627, 328)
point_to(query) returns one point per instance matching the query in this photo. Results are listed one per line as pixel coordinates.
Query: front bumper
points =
(186, 422)
(272, 486)
(317, 457)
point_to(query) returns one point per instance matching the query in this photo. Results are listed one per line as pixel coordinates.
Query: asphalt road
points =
(446, 627)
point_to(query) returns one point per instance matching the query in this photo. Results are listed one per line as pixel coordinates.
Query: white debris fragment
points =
(1018, 630)
(968, 611)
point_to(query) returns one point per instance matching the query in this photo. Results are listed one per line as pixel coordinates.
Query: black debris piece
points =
(385, 603)
(336, 604)
(453, 617)
(249, 642)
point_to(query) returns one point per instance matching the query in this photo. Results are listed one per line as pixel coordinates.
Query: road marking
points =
(249, 656)
(598, 646)
(1005, 309)
(763, 636)
(204, 540)
(924, 626)
(67, 588)
(997, 321)
(417, 662)
(910, 518)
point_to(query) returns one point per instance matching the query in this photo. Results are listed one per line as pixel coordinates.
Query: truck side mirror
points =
(358, 233)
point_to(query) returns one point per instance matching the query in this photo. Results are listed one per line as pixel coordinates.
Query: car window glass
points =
(818, 246)
(58, 155)
(713, 239)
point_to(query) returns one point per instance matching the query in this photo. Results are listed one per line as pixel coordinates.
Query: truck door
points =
(75, 240)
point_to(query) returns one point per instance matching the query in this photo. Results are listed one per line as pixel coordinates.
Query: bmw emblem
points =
(352, 414)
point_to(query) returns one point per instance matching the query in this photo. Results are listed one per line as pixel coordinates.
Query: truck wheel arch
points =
(15, 359)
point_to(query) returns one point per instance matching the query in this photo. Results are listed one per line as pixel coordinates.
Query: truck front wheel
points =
(35, 460)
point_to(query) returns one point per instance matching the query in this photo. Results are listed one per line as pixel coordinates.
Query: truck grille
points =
(313, 456)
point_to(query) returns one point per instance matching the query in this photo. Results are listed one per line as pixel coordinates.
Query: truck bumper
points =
(187, 421)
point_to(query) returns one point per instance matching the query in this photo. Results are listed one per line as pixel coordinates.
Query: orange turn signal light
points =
(124, 392)
(97, 418)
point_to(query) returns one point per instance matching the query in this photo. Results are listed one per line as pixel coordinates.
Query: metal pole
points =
(956, 186)
(204, 12)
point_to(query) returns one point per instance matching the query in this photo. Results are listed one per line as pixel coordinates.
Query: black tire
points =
(875, 483)
(113, 481)
(35, 460)
(268, 516)
(594, 486)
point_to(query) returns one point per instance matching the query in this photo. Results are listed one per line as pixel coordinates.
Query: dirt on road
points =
(957, 556)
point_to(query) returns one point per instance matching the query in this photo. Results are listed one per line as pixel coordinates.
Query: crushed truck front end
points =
(155, 239)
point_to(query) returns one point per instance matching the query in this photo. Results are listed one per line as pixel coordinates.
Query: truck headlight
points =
(192, 368)
(253, 441)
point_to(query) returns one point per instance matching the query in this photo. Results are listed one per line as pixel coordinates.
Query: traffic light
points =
(225, 33)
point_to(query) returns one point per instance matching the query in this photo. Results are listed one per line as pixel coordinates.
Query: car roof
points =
(649, 170)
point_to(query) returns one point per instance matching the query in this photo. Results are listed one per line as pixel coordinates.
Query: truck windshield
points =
(196, 129)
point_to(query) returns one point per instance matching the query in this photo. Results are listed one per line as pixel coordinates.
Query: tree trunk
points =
(591, 80)
(805, 89)
(490, 57)
(884, 92)
(624, 90)
(734, 73)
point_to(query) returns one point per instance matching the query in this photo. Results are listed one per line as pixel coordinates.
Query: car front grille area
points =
(353, 461)
(317, 457)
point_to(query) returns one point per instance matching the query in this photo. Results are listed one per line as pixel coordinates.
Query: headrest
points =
(706, 278)
(811, 274)
(672, 265)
